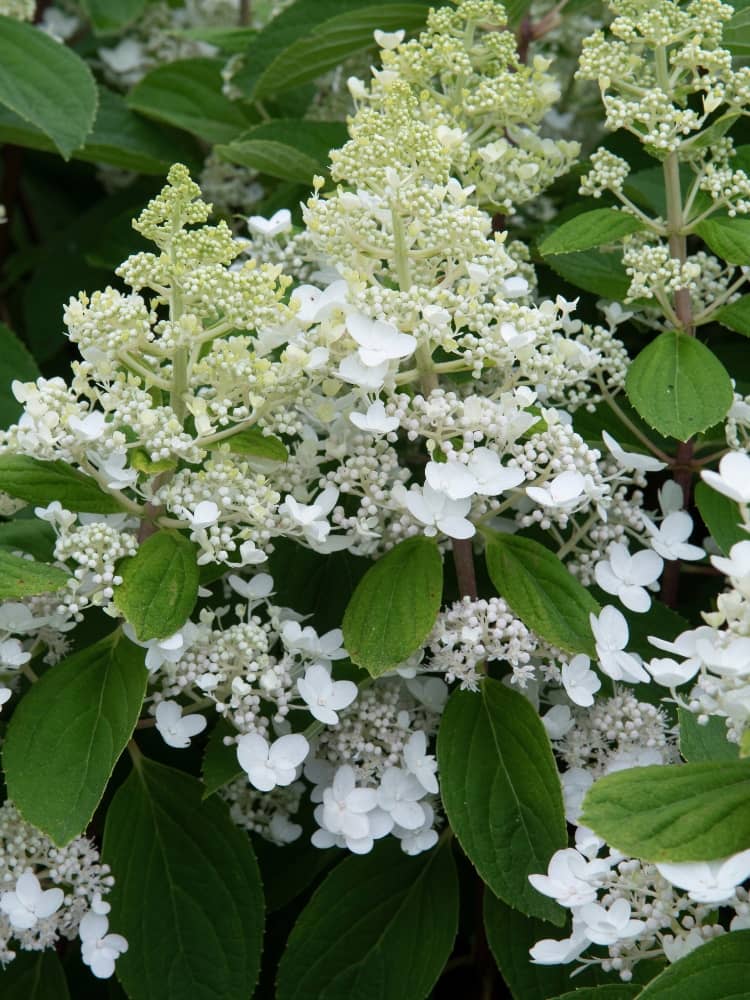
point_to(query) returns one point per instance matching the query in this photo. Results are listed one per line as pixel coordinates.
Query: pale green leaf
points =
(67, 733)
(540, 590)
(718, 970)
(255, 443)
(696, 812)
(603, 226)
(159, 586)
(394, 606)
(736, 315)
(47, 84)
(40, 482)
(21, 577)
(727, 237)
(501, 792)
(679, 386)
(709, 742)
(187, 892)
(291, 150)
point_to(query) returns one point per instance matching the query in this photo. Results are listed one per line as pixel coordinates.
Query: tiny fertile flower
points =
(419, 763)
(29, 903)
(733, 477)
(580, 681)
(175, 728)
(270, 765)
(280, 222)
(375, 421)
(99, 950)
(611, 635)
(631, 459)
(627, 576)
(709, 881)
(324, 696)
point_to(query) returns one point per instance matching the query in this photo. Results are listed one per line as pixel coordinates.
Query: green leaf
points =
(593, 271)
(47, 84)
(120, 138)
(15, 363)
(67, 733)
(718, 970)
(679, 386)
(40, 482)
(709, 742)
(34, 975)
(187, 93)
(291, 870)
(220, 764)
(540, 590)
(312, 36)
(107, 17)
(380, 927)
(187, 894)
(728, 238)
(394, 606)
(721, 515)
(736, 35)
(501, 792)
(21, 577)
(159, 586)
(291, 150)
(601, 227)
(696, 812)
(29, 535)
(736, 315)
(257, 444)
(610, 991)
(231, 40)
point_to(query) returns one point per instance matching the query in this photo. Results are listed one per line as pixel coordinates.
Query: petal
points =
(50, 901)
(606, 578)
(28, 890)
(289, 750)
(252, 749)
(645, 567)
(193, 724)
(635, 599)
(344, 693)
(261, 776)
(361, 800)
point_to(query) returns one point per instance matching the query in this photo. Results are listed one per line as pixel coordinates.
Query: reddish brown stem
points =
(463, 560)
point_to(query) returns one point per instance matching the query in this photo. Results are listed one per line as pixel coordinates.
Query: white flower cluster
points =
(50, 892)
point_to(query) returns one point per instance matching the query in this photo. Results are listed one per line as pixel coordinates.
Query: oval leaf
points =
(707, 742)
(718, 970)
(257, 444)
(159, 586)
(34, 975)
(590, 229)
(47, 84)
(187, 894)
(292, 150)
(501, 792)
(39, 482)
(679, 386)
(728, 238)
(394, 606)
(24, 577)
(736, 315)
(544, 595)
(721, 515)
(697, 812)
(15, 363)
(69, 729)
(593, 271)
(380, 926)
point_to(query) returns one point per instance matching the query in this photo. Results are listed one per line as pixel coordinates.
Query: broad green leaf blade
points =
(736, 35)
(709, 742)
(590, 229)
(736, 315)
(220, 764)
(718, 970)
(380, 927)
(722, 517)
(696, 812)
(159, 586)
(39, 482)
(728, 238)
(15, 363)
(544, 595)
(25, 577)
(679, 386)
(291, 150)
(394, 606)
(107, 17)
(187, 93)
(30, 535)
(34, 975)
(257, 444)
(120, 137)
(501, 792)
(187, 894)
(593, 271)
(312, 36)
(67, 733)
(289, 872)
(47, 84)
